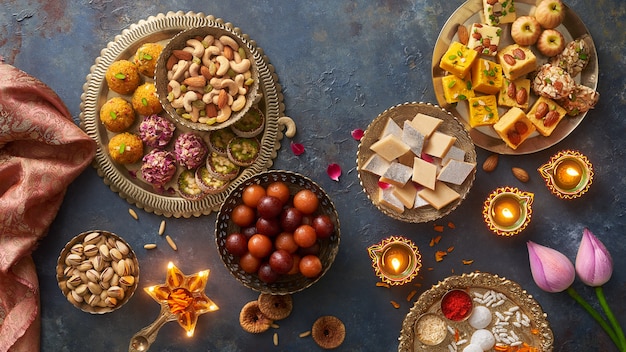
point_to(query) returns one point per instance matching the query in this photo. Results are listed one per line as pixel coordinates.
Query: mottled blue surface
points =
(340, 63)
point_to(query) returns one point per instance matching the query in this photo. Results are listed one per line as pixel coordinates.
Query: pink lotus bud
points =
(594, 264)
(551, 269)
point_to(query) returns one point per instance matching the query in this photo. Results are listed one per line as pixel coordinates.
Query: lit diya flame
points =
(184, 295)
(182, 298)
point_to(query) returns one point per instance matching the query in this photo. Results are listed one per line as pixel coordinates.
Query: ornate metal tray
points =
(484, 136)
(399, 113)
(521, 308)
(121, 179)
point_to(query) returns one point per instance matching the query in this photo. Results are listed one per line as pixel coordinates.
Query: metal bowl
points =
(400, 113)
(179, 42)
(81, 277)
(286, 284)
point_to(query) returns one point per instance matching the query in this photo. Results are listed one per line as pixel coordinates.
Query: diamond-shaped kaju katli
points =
(184, 296)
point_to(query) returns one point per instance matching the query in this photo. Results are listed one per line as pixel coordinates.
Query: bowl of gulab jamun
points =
(277, 232)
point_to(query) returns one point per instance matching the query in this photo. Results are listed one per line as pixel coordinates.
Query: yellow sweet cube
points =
(505, 100)
(516, 61)
(483, 110)
(458, 59)
(546, 123)
(514, 127)
(486, 76)
(499, 12)
(456, 89)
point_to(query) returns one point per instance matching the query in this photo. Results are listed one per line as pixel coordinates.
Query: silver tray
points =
(484, 136)
(161, 28)
(399, 113)
(538, 333)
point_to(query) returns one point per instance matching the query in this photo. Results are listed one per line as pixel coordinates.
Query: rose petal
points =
(427, 158)
(297, 148)
(357, 134)
(594, 264)
(551, 269)
(334, 171)
(383, 185)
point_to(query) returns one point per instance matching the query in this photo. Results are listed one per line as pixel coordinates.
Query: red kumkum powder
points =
(456, 305)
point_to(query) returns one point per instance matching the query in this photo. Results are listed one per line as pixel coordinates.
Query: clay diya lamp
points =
(507, 211)
(568, 174)
(396, 260)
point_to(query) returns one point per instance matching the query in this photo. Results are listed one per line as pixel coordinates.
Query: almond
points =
(228, 52)
(542, 110)
(509, 59)
(490, 163)
(171, 61)
(205, 72)
(511, 90)
(182, 55)
(222, 99)
(211, 110)
(551, 118)
(522, 96)
(519, 54)
(463, 34)
(520, 174)
(197, 81)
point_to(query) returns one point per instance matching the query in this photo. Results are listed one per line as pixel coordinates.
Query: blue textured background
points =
(340, 63)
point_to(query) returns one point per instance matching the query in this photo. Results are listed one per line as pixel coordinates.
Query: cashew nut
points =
(223, 114)
(195, 113)
(287, 122)
(178, 102)
(198, 48)
(239, 103)
(181, 68)
(194, 69)
(224, 65)
(188, 98)
(175, 88)
(208, 97)
(240, 67)
(208, 40)
(240, 80)
(226, 40)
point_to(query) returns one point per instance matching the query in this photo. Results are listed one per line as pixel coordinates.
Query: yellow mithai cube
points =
(519, 84)
(514, 127)
(458, 59)
(487, 77)
(456, 89)
(483, 110)
(516, 61)
(546, 123)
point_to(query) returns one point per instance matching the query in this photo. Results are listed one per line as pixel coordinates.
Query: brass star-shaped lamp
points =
(182, 298)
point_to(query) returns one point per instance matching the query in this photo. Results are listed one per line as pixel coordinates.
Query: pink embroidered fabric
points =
(41, 152)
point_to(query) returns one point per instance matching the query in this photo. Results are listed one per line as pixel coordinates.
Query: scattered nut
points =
(520, 174)
(463, 34)
(133, 214)
(162, 228)
(149, 246)
(171, 242)
(490, 163)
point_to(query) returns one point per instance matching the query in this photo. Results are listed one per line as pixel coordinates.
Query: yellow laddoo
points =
(145, 101)
(117, 114)
(122, 76)
(146, 57)
(126, 148)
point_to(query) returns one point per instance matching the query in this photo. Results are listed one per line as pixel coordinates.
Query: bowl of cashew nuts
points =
(207, 78)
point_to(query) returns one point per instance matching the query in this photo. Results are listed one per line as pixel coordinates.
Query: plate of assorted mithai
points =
(521, 74)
